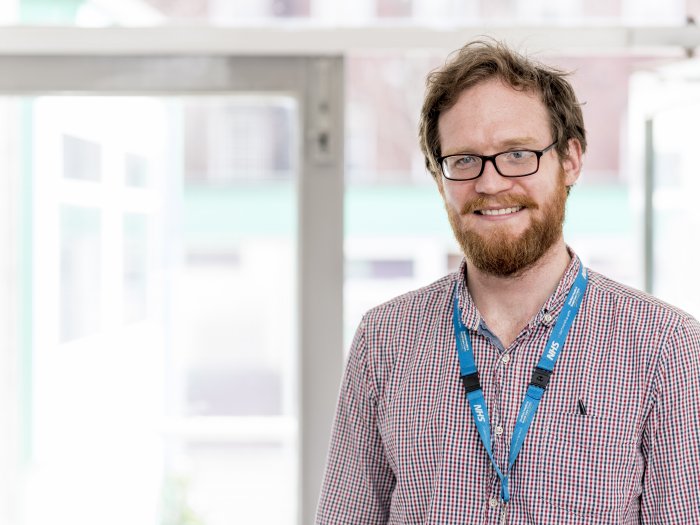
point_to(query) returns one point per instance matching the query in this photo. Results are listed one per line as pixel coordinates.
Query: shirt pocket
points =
(586, 463)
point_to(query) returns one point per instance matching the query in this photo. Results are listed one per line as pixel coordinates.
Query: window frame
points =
(316, 82)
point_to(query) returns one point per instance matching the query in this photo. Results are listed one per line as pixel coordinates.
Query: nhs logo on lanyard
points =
(465, 341)
(552, 351)
(478, 409)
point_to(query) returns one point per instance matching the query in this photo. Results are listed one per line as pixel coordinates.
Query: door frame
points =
(317, 83)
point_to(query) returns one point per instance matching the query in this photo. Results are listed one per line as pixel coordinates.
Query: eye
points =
(518, 156)
(463, 162)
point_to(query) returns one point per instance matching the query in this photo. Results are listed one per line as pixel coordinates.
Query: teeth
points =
(503, 211)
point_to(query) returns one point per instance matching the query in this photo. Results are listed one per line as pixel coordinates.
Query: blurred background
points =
(200, 198)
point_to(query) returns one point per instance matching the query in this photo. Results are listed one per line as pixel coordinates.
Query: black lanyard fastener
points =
(471, 382)
(540, 377)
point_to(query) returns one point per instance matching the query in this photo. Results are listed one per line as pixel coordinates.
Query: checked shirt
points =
(616, 439)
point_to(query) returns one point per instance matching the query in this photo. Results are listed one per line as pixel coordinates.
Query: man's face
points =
(504, 224)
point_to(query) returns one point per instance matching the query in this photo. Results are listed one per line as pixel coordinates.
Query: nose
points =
(491, 182)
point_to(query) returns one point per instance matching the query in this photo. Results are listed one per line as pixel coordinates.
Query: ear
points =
(571, 162)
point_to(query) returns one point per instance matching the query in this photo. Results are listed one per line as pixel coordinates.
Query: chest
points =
(425, 409)
(437, 457)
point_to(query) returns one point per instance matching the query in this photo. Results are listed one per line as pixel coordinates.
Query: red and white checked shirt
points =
(405, 449)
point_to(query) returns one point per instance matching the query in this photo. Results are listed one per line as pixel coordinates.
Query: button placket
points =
(500, 448)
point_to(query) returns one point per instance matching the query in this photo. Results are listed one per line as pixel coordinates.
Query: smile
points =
(502, 211)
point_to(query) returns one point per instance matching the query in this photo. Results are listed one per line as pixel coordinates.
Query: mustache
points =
(511, 201)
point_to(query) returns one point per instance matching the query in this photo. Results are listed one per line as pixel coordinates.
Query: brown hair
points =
(481, 60)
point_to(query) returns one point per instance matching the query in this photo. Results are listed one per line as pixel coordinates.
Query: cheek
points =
(455, 195)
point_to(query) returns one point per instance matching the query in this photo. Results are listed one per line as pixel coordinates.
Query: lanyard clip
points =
(471, 382)
(540, 377)
(505, 494)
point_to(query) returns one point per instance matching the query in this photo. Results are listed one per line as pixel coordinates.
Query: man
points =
(523, 388)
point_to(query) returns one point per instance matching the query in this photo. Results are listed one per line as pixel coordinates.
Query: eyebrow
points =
(502, 146)
(519, 141)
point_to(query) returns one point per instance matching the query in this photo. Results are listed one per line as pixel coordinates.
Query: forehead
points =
(492, 115)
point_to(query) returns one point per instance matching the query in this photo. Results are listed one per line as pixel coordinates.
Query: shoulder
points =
(645, 323)
(393, 333)
(607, 293)
(427, 299)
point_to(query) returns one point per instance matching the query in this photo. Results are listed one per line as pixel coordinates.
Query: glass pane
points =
(676, 215)
(235, 142)
(80, 279)
(232, 484)
(154, 287)
(82, 159)
(136, 267)
(236, 281)
(93, 386)
(136, 170)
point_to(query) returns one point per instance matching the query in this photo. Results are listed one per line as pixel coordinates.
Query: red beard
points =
(502, 254)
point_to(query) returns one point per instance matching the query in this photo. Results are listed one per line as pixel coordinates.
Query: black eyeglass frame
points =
(492, 159)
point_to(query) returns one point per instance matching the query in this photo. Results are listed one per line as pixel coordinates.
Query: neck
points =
(508, 303)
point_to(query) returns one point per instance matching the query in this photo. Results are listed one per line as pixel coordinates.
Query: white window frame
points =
(317, 85)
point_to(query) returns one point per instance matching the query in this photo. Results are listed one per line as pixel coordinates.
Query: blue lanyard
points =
(538, 382)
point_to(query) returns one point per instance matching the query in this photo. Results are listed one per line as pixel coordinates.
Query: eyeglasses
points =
(515, 163)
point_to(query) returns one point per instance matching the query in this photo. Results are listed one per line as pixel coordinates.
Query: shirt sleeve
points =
(358, 481)
(671, 440)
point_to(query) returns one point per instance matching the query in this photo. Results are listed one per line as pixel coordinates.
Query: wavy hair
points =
(482, 60)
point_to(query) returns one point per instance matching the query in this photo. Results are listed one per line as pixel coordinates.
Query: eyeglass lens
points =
(509, 164)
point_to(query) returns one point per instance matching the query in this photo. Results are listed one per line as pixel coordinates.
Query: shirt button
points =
(493, 503)
(499, 430)
(547, 318)
(505, 359)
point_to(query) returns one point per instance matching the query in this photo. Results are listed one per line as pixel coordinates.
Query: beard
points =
(503, 254)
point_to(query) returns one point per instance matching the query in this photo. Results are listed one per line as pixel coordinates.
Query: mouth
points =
(499, 211)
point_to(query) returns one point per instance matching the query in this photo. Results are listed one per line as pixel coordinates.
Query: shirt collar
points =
(553, 305)
(470, 314)
(547, 315)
